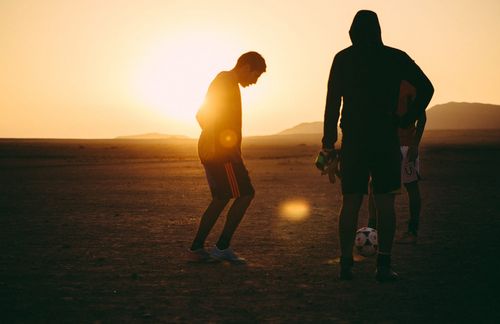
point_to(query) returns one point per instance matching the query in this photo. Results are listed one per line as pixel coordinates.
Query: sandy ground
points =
(96, 231)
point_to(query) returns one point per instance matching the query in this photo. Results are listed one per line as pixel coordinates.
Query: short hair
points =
(254, 60)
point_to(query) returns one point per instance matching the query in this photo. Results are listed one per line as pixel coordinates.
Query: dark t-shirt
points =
(220, 121)
(366, 81)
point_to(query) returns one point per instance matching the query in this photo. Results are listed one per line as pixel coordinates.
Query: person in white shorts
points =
(409, 139)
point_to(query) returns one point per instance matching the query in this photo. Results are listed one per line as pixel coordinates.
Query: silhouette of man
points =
(365, 78)
(409, 139)
(219, 149)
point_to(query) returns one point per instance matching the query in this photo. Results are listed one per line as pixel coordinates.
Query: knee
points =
(220, 201)
(412, 188)
(245, 199)
(248, 197)
(351, 201)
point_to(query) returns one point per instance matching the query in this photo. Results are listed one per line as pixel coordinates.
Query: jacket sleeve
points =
(424, 91)
(332, 107)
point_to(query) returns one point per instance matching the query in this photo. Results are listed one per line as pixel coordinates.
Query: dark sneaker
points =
(407, 238)
(385, 274)
(198, 256)
(226, 255)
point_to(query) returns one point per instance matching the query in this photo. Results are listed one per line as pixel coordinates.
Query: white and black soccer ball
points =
(366, 241)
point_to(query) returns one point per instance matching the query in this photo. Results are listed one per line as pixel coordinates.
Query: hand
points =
(324, 158)
(330, 153)
(333, 170)
(412, 153)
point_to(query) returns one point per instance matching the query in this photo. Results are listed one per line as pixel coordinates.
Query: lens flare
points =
(295, 210)
(228, 138)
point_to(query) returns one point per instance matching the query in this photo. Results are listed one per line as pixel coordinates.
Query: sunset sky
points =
(100, 69)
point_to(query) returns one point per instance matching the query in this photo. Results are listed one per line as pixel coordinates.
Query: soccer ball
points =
(366, 241)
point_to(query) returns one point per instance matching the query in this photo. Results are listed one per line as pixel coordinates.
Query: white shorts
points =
(410, 171)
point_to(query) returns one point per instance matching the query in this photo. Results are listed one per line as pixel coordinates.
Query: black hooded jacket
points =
(365, 78)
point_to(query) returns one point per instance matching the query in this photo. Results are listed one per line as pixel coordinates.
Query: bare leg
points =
(207, 222)
(386, 221)
(234, 217)
(372, 210)
(348, 221)
(415, 206)
(386, 229)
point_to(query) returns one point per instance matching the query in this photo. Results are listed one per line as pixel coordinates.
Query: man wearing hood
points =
(365, 79)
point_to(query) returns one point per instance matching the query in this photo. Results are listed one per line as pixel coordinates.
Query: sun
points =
(174, 74)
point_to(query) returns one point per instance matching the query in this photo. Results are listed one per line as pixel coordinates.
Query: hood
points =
(365, 29)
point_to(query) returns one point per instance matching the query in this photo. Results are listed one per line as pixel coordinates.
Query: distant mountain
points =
(451, 116)
(152, 136)
(463, 115)
(304, 128)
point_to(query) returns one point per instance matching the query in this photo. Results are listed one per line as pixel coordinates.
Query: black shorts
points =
(228, 180)
(358, 164)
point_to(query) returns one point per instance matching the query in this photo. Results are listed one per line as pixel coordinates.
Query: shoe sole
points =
(384, 280)
(208, 260)
(217, 259)
(387, 279)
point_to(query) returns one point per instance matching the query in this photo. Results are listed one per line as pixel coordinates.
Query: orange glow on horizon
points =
(80, 69)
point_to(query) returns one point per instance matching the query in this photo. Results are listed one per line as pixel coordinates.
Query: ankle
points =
(197, 246)
(346, 262)
(222, 246)
(383, 260)
(346, 268)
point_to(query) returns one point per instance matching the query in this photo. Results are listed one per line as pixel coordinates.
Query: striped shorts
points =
(228, 180)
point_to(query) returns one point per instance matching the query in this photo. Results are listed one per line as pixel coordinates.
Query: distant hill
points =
(304, 128)
(152, 136)
(463, 115)
(449, 116)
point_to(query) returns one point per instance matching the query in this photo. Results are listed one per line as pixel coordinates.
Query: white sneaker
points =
(226, 255)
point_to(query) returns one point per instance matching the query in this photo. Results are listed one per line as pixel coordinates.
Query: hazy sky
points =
(99, 69)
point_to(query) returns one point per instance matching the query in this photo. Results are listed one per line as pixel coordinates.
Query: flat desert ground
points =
(96, 231)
